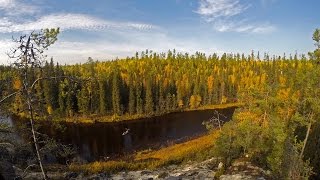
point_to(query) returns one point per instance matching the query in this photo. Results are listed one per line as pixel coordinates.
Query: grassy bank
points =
(126, 117)
(196, 149)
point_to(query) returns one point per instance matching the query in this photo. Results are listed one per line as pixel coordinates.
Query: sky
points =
(109, 29)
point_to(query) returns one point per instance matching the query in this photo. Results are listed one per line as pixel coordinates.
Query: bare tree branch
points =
(25, 170)
(10, 95)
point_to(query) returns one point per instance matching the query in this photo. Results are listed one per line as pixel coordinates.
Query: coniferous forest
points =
(152, 83)
(276, 124)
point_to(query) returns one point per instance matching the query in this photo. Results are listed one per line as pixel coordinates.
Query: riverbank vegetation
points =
(194, 150)
(114, 118)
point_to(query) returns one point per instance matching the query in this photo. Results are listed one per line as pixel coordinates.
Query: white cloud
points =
(17, 7)
(71, 52)
(224, 16)
(242, 26)
(213, 9)
(5, 46)
(68, 21)
(264, 29)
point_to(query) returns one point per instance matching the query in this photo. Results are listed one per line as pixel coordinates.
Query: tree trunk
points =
(306, 138)
(30, 109)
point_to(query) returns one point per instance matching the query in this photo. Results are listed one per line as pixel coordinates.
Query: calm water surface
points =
(101, 140)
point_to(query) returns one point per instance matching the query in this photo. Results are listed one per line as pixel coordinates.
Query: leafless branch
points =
(43, 78)
(10, 95)
(6, 144)
(25, 170)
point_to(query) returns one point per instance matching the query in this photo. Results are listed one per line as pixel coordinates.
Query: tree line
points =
(152, 83)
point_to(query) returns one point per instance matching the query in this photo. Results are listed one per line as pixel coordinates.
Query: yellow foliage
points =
(284, 94)
(309, 65)
(263, 79)
(250, 73)
(299, 65)
(180, 103)
(49, 109)
(195, 101)
(215, 69)
(232, 78)
(282, 80)
(210, 83)
(17, 84)
(124, 76)
(247, 116)
(224, 100)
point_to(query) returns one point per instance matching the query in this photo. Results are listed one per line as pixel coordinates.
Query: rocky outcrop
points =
(243, 170)
(202, 170)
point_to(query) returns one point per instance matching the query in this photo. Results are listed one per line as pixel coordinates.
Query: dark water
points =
(101, 140)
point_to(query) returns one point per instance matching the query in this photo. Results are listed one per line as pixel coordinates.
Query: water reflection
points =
(101, 140)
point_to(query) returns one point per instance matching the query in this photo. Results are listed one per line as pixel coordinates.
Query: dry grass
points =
(217, 106)
(197, 149)
(126, 117)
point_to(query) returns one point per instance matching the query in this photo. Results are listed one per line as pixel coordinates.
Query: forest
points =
(276, 123)
(152, 83)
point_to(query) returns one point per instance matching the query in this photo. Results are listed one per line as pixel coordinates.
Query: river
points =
(102, 140)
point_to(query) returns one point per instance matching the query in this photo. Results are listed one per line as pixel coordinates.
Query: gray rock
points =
(7, 171)
(98, 176)
(4, 154)
(236, 177)
(162, 175)
(191, 171)
(145, 172)
(71, 175)
(173, 178)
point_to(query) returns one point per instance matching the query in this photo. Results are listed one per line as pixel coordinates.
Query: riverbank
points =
(197, 150)
(190, 160)
(128, 117)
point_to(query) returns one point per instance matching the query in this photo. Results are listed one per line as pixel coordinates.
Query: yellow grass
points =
(125, 117)
(216, 106)
(197, 149)
(179, 150)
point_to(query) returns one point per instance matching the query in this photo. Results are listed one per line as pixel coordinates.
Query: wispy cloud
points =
(242, 26)
(224, 16)
(75, 51)
(213, 9)
(67, 22)
(17, 7)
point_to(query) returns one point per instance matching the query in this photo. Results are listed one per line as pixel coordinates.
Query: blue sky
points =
(118, 28)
